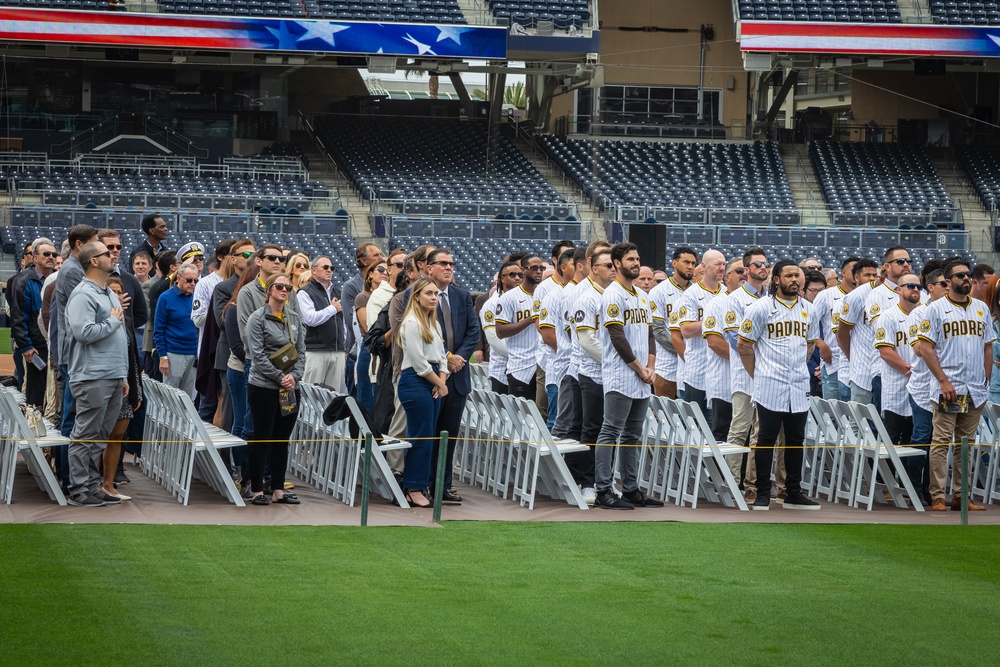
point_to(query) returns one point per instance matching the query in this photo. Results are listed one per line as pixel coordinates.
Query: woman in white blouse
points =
(421, 385)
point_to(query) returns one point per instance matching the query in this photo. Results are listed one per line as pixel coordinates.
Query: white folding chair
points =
(18, 438)
(706, 472)
(876, 452)
(544, 469)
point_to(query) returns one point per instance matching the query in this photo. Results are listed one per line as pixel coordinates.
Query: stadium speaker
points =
(652, 243)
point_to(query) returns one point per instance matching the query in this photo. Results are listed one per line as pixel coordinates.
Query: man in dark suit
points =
(460, 327)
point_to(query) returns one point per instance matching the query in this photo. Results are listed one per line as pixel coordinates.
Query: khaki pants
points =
(326, 367)
(397, 429)
(743, 424)
(541, 396)
(53, 397)
(949, 428)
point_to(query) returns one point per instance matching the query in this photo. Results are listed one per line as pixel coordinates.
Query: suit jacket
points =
(467, 333)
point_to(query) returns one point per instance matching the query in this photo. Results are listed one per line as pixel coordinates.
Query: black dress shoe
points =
(450, 496)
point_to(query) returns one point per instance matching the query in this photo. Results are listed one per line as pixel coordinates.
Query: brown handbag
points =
(286, 356)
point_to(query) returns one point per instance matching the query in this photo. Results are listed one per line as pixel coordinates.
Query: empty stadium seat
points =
(841, 11)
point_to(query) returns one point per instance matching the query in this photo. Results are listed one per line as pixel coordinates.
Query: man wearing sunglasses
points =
(827, 306)
(856, 332)
(663, 300)
(25, 328)
(719, 392)
(956, 342)
(366, 255)
(135, 302)
(326, 336)
(546, 394)
(271, 261)
(174, 332)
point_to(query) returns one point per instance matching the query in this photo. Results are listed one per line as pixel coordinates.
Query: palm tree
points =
(433, 85)
(514, 94)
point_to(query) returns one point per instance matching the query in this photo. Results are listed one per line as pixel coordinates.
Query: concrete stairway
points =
(914, 11)
(977, 220)
(476, 12)
(806, 191)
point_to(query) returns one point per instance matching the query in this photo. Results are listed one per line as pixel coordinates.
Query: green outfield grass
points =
(500, 593)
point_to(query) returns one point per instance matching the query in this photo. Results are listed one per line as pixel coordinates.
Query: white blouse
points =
(419, 355)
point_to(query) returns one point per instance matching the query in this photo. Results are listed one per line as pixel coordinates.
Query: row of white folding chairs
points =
(178, 445)
(983, 457)
(507, 449)
(480, 376)
(327, 457)
(850, 457)
(16, 437)
(681, 461)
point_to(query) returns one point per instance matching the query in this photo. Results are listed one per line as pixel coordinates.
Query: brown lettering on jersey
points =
(789, 328)
(522, 314)
(963, 328)
(636, 316)
(901, 339)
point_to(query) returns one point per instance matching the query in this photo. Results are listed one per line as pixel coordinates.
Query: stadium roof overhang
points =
(898, 41)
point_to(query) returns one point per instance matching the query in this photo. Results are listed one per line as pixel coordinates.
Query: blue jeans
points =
(845, 391)
(238, 393)
(422, 411)
(349, 380)
(917, 467)
(364, 391)
(19, 370)
(66, 427)
(831, 386)
(873, 396)
(247, 414)
(552, 392)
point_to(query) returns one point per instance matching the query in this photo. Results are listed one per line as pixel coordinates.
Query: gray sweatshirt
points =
(99, 343)
(266, 334)
(250, 299)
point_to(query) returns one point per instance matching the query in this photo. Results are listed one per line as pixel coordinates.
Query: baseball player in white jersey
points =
(550, 321)
(516, 315)
(719, 392)
(827, 306)
(663, 300)
(896, 359)
(569, 415)
(688, 329)
(546, 390)
(956, 341)
(590, 337)
(776, 340)
(866, 273)
(627, 360)
(509, 278)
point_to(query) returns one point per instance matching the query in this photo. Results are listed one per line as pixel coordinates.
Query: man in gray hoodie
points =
(98, 366)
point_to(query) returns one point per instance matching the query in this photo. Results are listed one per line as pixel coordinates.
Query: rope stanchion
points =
(366, 481)
(965, 480)
(442, 461)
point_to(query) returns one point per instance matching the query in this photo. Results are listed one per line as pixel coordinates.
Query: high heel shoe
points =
(413, 502)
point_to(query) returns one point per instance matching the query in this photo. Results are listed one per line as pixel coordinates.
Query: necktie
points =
(449, 327)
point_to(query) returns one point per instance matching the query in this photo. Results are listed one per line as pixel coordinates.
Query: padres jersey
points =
(630, 309)
(736, 305)
(827, 306)
(514, 306)
(854, 312)
(892, 331)
(487, 318)
(546, 287)
(960, 333)
(663, 300)
(553, 315)
(692, 309)
(718, 368)
(587, 317)
(921, 386)
(781, 334)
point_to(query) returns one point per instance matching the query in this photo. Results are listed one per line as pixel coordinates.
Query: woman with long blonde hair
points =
(296, 265)
(421, 385)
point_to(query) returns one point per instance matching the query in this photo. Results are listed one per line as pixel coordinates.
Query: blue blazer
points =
(465, 322)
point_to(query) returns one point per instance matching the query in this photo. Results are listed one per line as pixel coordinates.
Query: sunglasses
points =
(538, 267)
(901, 261)
(106, 253)
(190, 280)
(194, 258)
(113, 246)
(301, 266)
(48, 253)
(961, 275)
(284, 287)
(246, 254)
(325, 267)
(382, 269)
(445, 263)
(514, 274)
(813, 267)
(273, 258)
(739, 271)
(911, 286)
(606, 265)
(941, 283)
(760, 265)
(398, 265)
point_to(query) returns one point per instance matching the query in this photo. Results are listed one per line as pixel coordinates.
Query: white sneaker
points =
(590, 495)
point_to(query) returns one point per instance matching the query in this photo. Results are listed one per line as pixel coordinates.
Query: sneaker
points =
(607, 500)
(246, 493)
(762, 502)
(640, 499)
(121, 478)
(799, 501)
(956, 506)
(108, 499)
(85, 500)
(939, 506)
(750, 496)
(590, 495)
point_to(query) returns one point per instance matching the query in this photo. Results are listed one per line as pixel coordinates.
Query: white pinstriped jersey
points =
(960, 334)
(553, 315)
(570, 306)
(855, 312)
(487, 318)
(736, 305)
(892, 330)
(921, 386)
(827, 306)
(514, 306)
(692, 309)
(630, 309)
(543, 351)
(663, 299)
(718, 367)
(587, 317)
(781, 334)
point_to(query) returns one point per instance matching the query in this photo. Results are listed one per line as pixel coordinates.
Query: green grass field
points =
(500, 593)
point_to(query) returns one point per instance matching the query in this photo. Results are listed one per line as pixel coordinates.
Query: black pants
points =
(582, 464)
(273, 427)
(35, 380)
(521, 389)
(795, 434)
(900, 428)
(497, 386)
(694, 395)
(722, 417)
(449, 419)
